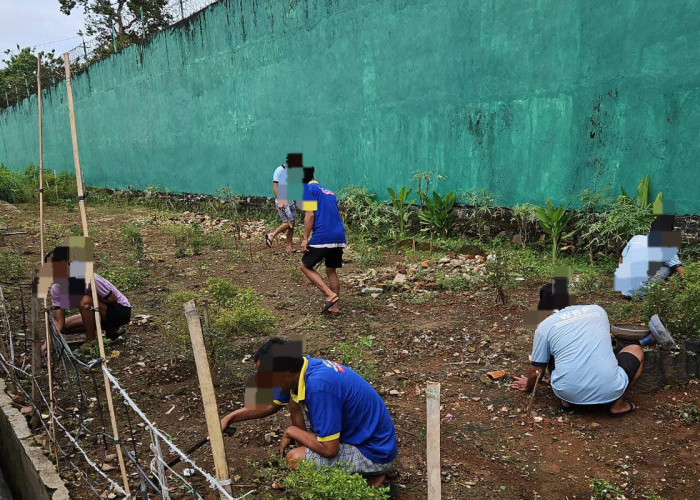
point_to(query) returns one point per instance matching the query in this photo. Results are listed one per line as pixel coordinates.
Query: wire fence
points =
(16, 87)
(68, 409)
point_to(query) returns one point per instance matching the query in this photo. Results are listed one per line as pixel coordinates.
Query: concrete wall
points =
(528, 99)
(29, 474)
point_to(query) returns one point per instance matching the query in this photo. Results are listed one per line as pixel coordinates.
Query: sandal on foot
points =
(268, 241)
(632, 407)
(329, 303)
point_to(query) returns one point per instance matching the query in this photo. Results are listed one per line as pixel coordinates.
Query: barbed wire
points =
(72, 445)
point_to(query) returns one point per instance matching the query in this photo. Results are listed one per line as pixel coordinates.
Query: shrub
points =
(525, 216)
(553, 222)
(399, 201)
(360, 209)
(436, 216)
(312, 482)
(133, 239)
(23, 186)
(484, 208)
(676, 301)
(608, 232)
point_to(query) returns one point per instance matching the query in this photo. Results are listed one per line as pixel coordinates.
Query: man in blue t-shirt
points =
(327, 242)
(575, 343)
(351, 424)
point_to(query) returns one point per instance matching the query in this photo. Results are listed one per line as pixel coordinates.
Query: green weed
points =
(676, 301)
(355, 355)
(125, 278)
(312, 482)
(603, 490)
(133, 239)
(12, 266)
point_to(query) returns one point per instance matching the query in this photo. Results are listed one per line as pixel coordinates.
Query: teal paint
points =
(528, 99)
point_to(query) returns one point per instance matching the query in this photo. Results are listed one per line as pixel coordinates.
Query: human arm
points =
(308, 226)
(248, 413)
(327, 449)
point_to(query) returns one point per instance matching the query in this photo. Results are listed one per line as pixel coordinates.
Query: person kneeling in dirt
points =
(115, 308)
(575, 343)
(349, 424)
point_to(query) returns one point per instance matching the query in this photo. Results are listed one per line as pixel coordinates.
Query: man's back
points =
(344, 405)
(586, 370)
(328, 226)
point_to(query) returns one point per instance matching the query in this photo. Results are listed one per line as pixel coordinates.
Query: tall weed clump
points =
(23, 186)
(676, 301)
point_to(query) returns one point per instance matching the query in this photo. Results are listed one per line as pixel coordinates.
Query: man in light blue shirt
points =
(641, 261)
(285, 208)
(575, 343)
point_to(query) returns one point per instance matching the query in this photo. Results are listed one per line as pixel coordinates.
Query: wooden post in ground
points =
(211, 411)
(432, 396)
(212, 350)
(36, 347)
(36, 355)
(91, 276)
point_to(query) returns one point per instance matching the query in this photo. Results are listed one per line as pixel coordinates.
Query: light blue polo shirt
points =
(586, 370)
(342, 405)
(636, 256)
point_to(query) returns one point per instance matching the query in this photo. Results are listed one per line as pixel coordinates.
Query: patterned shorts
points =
(351, 459)
(288, 213)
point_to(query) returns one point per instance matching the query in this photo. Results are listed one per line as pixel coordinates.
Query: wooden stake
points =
(76, 157)
(211, 411)
(41, 159)
(534, 391)
(93, 287)
(432, 393)
(207, 325)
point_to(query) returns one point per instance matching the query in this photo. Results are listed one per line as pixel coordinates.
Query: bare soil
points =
(490, 448)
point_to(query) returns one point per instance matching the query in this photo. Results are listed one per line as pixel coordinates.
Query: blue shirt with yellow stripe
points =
(342, 405)
(328, 226)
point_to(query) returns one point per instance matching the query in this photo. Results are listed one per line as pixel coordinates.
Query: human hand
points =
(225, 423)
(519, 383)
(280, 204)
(284, 442)
(304, 244)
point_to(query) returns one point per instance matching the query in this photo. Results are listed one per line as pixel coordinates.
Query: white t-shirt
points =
(280, 177)
(585, 367)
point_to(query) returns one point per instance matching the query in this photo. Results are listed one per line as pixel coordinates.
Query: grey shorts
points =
(288, 213)
(351, 459)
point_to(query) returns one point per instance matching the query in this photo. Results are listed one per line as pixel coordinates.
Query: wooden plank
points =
(211, 411)
(432, 393)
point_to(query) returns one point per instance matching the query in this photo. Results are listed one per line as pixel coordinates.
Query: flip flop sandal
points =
(633, 407)
(661, 334)
(627, 331)
(268, 241)
(329, 303)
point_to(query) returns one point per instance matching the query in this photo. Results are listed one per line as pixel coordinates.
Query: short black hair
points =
(266, 348)
(58, 254)
(546, 302)
(308, 175)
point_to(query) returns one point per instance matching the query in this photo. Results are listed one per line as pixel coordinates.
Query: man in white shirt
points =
(575, 343)
(285, 208)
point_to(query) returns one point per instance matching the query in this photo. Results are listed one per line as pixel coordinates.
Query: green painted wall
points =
(529, 99)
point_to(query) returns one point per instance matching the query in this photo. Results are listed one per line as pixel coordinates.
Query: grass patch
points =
(12, 266)
(355, 355)
(312, 482)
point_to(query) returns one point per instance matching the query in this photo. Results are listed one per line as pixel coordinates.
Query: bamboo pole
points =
(211, 411)
(36, 348)
(93, 287)
(432, 393)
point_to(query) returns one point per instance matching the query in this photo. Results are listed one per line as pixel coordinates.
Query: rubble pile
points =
(249, 229)
(413, 277)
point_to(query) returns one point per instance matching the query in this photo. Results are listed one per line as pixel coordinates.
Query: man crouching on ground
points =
(575, 343)
(351, 425)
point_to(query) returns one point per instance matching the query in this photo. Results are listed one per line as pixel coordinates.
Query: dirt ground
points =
(489, 448)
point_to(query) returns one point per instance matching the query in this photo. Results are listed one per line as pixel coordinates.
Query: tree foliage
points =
(124, 16)
(18, 77)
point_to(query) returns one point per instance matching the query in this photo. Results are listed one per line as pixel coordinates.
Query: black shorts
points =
(117, 315)
(629, 363)
(314, 255)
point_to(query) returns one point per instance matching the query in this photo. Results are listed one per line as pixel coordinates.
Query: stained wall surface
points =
(528, 99)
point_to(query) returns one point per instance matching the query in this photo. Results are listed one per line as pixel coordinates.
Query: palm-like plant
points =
(553, 222)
